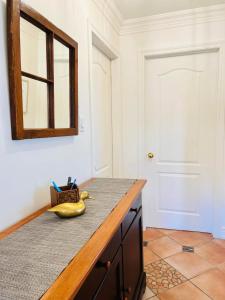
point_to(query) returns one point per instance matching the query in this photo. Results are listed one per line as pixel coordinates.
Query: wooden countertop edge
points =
(34, 215)
(19, 224)
(71, 279)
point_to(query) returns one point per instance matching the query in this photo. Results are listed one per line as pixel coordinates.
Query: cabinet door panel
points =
(133, 257)
(97, 275)
(112, 286)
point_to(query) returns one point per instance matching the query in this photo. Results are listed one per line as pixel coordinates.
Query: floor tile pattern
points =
(185, 291)
(164, 247)
(222, 267)
(212, 283)
(212, 252)
(176, 275)
(189, 264)
(149, 256)
(148, 294)
(161, 276)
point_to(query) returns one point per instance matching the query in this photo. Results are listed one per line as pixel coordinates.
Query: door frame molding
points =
(219, 175)
(95, 38)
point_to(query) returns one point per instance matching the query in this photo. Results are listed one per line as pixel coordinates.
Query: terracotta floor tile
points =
(189, 264)
(190, 238)
(167, 231)
(149, 256)
(167, 278)
(161, 276)
(185, 291)
(148, 294)
(212, 283)
(220, 242)
(212, 252)
(164, 247)
(151, 234)
(221, 267)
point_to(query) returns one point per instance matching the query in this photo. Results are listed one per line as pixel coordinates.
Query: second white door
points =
(180, 131)
(101, 115)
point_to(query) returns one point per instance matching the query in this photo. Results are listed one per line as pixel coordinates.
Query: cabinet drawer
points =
(131, 216)
(100, 270)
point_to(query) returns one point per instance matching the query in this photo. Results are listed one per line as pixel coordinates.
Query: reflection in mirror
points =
(43, 75)
(35, 103)
(62, 85)
(33, 49)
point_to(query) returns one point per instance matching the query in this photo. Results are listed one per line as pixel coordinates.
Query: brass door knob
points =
(150, 155)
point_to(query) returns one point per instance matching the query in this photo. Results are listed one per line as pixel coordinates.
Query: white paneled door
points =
(101, 114)
(180, 140)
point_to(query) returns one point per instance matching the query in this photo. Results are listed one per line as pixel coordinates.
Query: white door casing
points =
(101, 114)
(180, 119)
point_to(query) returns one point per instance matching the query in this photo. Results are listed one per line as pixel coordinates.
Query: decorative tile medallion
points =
(161, 276)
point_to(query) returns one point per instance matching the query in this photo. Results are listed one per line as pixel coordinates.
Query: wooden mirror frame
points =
(15, 10)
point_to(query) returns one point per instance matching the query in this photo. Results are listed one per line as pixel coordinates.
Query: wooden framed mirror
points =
(43, 75)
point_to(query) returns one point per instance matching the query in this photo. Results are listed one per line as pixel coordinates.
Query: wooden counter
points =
(74, 276)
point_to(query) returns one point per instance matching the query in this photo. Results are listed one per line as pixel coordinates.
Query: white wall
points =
(27, 166)
(175, 30)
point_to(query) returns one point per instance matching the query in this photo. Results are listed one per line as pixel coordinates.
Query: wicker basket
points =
(67, 195)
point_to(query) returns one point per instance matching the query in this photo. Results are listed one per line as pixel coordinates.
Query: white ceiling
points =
(142, 8)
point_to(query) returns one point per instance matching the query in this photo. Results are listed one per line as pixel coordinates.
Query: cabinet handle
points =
(128, 290)
(134, 210)
(105, 265)
(108, 265)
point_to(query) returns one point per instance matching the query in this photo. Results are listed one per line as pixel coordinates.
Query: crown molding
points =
(115, 11)
(111, 13)
(174, 19)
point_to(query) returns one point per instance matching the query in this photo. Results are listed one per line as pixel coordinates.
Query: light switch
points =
(81, 124)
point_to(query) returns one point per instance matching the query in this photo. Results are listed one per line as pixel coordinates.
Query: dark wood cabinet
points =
(133, 258)
(119, 273)
(112, 286)
(100, 271)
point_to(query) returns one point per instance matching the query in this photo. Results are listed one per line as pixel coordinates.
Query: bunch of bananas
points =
(69, 210)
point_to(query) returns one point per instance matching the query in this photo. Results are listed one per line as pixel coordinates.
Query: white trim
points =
(108, 46)
(115, 11)
(95, 38)
(110, 12)
(220, 139)
(188, 17)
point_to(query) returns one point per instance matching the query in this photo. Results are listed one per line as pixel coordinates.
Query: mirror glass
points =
(33, 49)
(35, 103)
(43, 75)
(62, 85)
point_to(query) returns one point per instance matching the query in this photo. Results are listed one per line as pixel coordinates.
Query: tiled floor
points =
(176, 275)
